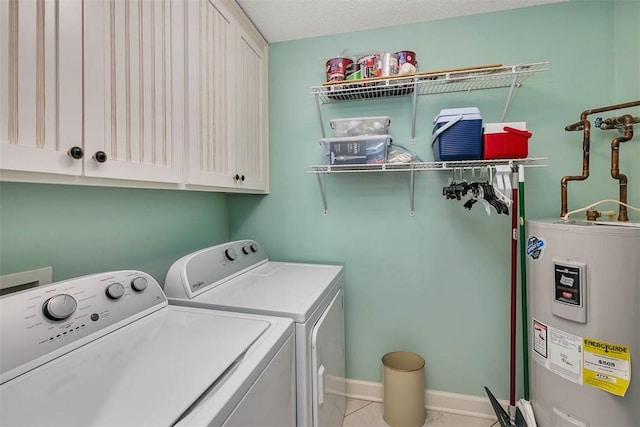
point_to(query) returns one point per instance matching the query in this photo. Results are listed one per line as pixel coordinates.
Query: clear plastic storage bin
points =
(356, 150)
(360, 126)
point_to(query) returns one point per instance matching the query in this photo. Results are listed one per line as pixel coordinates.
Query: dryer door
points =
(328, 361)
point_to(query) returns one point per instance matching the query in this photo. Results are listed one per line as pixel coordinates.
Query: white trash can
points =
(403, 384)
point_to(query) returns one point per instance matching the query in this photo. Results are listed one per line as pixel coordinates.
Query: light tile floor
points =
(362, 413)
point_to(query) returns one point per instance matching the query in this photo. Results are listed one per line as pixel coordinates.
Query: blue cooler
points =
(457, 134)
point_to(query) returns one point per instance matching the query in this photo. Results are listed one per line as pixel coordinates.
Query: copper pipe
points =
(619, 122)
(592, 215)
(609, 108)
(615, 157)
(585, 126)
(615, 124)
(578, 125)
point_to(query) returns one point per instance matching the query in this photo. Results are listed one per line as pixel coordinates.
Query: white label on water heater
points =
(569, 290)
(558, 351)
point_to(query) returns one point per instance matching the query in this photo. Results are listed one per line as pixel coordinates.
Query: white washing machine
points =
(238, 276)
(108, 350)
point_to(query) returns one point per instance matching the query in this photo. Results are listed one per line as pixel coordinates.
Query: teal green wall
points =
(438, 283)
(80, 230)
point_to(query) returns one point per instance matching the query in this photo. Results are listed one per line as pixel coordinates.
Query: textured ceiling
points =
(283, 20)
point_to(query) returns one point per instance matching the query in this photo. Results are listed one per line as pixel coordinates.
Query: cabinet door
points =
(252, 141)
(40, 85)
(208, 43)
(128, 91)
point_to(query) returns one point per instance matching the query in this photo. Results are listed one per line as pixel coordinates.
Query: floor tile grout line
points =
(362, 407)
(353, 417)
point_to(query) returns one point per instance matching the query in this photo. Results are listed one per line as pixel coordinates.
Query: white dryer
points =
(108, 350)
(238, 276)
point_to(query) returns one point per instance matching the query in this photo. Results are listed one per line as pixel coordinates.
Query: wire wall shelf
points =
(428, 83)
(412, 168)
(414, 85)
(424, 166)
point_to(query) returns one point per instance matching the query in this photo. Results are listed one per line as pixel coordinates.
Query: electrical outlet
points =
(25, 279)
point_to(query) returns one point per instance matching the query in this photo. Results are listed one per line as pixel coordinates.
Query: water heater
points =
(583, 284)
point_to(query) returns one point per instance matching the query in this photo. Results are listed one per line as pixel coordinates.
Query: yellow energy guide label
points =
(606, 366)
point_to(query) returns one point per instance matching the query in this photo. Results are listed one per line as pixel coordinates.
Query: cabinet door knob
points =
(75, 152)
(242, 178)
(236, 177)
(100, 156)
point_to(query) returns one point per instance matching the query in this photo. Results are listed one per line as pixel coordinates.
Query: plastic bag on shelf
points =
(399, 154)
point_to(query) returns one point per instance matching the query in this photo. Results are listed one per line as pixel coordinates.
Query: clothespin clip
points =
(502, 183)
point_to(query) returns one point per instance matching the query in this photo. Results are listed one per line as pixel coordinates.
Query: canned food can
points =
(368, 65)
(406, 56)
(407, 62)
(356, 75)
(336, 68)
(353, 72)
(387, 65)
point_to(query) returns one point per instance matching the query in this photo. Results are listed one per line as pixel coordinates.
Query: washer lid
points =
(146, 373)
(291, 290)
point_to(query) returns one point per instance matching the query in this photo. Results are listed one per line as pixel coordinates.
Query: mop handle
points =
(514, 288)
(523, 283)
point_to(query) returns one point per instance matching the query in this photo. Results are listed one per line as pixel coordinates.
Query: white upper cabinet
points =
(155, 93)
(40, 85)
(226, 99)
(252, 123)
(129, 111)
(207, 36)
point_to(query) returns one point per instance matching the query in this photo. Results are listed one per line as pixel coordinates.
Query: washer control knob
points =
(115, 290)
(139, 284)
(59, 307)
(230, 254)
(246, 250)
(254, 247)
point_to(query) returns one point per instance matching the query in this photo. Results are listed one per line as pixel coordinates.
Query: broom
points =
(521, 414)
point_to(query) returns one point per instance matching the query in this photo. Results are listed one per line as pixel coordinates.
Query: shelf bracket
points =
(415, 110)
(412, 193)
(319, 106)
(510, 95)
(322, 194)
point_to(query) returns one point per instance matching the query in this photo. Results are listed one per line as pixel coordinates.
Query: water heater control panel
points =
(570, 290)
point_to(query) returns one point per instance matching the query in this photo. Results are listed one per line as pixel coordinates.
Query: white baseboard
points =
(442, 401)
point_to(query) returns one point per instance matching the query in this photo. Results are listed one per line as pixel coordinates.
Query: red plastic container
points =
(506, 140)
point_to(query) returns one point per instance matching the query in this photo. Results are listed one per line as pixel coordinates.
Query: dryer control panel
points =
(45, 322)
(210, 267)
